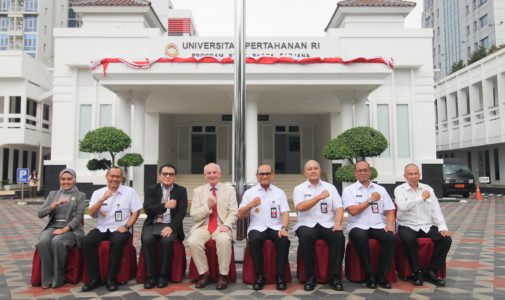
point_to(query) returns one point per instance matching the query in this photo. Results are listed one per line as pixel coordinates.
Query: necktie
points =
(213, 216)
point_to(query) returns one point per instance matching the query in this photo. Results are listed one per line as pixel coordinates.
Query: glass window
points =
(1, 104)
(4, 41)
(482, 2)
(31, 24)
(383, 125)
(483, 21)
(496, 164)
(4, 5)
(30, 42)
(467, 30)
(4, 23)
(84, 124)
(402, 125)
(105, 115)
(31, 5)
(485, 42)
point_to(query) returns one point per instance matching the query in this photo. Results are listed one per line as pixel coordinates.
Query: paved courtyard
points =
(476, 263)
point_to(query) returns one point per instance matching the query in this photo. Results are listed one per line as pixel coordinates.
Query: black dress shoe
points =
(162, 282)
(93, 284)
(259, 283)
(202, 281)
(371, 283)
(336, 284)
(383, 282)
(310, 285)
(111, 285)
(281, 283)
(432, 277)
(417, 279)
(150, 283)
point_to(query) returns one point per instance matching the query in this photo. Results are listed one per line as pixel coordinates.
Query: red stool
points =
(269, 265)
(321, 268)
(211, 253)
(73, 267)
(128, 266)
(424, 254)
(355, 272)
(178, 263)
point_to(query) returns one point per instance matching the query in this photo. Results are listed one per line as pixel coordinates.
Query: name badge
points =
(159, 218)
(273, 212)
(324, 207)
(118, 216)
(375, 208)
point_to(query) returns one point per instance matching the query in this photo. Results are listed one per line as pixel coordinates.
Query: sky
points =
(271, 17)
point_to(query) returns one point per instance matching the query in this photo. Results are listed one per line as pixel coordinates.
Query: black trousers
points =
(387, 241)
(256, 241)
(149, 244)
(90, 251)
(307, 239)
(442, 246)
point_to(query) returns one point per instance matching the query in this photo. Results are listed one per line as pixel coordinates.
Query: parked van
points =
(458, 179)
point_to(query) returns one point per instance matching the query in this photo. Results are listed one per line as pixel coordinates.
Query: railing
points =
(494, 113)
(13, 121)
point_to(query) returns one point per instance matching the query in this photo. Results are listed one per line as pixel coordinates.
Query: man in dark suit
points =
(165, 205)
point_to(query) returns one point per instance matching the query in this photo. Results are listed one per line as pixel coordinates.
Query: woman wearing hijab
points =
(65, 208)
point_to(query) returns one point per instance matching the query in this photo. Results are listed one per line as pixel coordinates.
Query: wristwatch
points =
(370, 202)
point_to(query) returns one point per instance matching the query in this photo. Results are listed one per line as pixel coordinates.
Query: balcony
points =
(24, 129)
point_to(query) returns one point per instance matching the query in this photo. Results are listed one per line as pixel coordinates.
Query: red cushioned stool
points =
(355, 272)
(211, 253)
(73, 267)
(128, 266)
(269, 265)
(178, 263)
(424, 254)
(321, 268)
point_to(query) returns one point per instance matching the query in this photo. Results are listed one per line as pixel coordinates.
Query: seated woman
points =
(65, 208)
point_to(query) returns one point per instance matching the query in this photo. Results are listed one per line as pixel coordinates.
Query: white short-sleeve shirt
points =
(315, 215)
(269, 213)
(116, 210)
(357, 193)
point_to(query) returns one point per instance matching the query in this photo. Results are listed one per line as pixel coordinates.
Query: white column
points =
(152, 126)
(124, 113)
(361, 112)
(138, 140)
(500, 82)
(251, 138)
(487, 95)
(346, 114)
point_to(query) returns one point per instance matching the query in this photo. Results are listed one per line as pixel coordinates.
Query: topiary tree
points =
(353, 145)
(113, 141)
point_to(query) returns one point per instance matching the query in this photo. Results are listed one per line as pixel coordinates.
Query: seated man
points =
(269, 220)
(320, 216)
(214, 210)
(117, 208)
(366, 203)
(419, 215)
(165, 205)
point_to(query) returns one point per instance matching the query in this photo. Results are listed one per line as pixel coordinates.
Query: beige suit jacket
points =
(227, 207)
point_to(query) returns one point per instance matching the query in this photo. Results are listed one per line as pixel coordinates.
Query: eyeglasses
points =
(362, 171)
(265, 174)
(166, 174)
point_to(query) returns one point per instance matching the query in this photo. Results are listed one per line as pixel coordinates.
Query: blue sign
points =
(23, 175)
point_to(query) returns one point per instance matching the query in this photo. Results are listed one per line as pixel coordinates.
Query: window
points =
(31, 24)
(1, 104)
(474, 4)
(496, 164)
(84, 124)
(474, 26)
(383, 125)
(402, 125)
(15, 108)
(467, 30)
(483, 21)
(31, 5)
(4, 41)
(30, 42)
(4, 23)
(467, 10)
(485, 42)
(15, 164)
(482, 2)
(105, 115)
(5, 5)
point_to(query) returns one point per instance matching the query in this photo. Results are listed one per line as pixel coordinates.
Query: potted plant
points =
(7, 184)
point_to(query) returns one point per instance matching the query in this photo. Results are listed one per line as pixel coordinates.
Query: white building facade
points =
(470, 106)
(180, 112)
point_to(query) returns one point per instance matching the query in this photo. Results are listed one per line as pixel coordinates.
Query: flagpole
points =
(239, 107)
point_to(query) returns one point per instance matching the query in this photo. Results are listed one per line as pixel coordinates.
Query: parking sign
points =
(23, 175)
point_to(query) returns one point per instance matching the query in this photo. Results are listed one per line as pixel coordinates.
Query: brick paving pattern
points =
(476, 263)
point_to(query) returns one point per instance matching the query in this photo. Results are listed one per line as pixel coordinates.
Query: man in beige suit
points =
(214, 209)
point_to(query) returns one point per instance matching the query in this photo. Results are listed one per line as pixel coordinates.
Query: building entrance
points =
(203, 149)
(287, 149)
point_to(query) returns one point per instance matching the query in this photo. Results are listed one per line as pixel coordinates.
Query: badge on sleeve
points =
(118, 216)
(375, 208)
(324, 207)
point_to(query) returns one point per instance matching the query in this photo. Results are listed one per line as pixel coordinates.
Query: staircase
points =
(286, 182)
